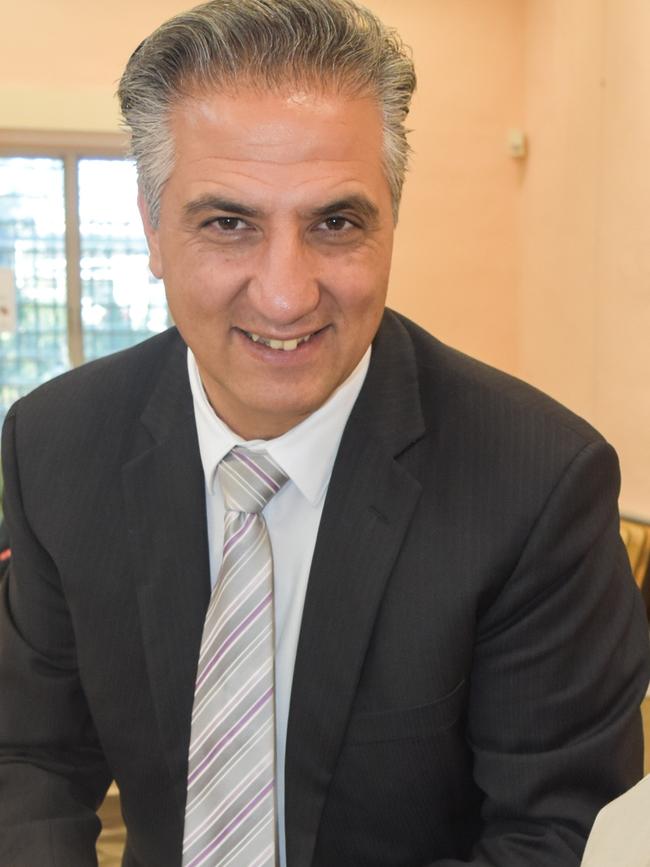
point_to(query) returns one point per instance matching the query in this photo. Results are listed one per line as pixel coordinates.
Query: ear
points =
(152, 236)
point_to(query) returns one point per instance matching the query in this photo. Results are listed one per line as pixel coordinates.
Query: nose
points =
(285, 286)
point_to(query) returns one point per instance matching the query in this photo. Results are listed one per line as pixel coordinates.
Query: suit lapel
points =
(369, 504)
(165, 506)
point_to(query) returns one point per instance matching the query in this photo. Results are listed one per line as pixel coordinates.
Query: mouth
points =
(282, 345)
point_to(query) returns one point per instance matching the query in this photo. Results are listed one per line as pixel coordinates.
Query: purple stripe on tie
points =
(248, 520)
(229, 735)
(239, 818)
(259, 472)
(225, 644)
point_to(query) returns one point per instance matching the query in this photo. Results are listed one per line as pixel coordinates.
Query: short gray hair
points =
(323, 44)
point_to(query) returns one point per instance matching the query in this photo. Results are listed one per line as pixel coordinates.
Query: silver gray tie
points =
(230, 810)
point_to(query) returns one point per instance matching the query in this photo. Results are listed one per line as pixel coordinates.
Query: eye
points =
(229, 230)
(336, 223)
(228, 224)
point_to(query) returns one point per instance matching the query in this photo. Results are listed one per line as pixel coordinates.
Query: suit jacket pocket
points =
(420, 721)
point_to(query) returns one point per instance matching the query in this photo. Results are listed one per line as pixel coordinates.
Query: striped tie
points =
(230, 811)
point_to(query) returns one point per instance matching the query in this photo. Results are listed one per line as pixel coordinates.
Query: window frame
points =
(70, 147)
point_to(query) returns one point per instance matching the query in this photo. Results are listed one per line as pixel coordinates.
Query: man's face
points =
(274, 243)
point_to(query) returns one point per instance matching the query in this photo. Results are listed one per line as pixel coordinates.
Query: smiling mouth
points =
(283, 345)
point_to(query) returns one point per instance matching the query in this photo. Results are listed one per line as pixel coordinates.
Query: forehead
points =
(292, 141)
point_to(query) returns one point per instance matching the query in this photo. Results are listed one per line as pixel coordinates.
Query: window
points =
(74, 258)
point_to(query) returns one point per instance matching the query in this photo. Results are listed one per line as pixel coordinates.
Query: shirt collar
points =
(306, 452)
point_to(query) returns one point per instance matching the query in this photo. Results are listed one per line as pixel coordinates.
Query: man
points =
(457, 650)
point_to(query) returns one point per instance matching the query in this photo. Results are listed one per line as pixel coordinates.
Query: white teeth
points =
(284, 345)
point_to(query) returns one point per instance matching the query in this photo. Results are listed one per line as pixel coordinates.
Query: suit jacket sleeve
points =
(560, 667)
(52, 772)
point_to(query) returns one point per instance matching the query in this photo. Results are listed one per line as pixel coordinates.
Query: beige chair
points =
(636, 536)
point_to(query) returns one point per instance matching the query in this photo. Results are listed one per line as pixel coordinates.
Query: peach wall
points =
(456, 266)
(561, 198)
(456, 257)
(585, 292)
(60, 60)
(623, 244)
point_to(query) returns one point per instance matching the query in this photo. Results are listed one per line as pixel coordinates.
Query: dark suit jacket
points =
(473, 649)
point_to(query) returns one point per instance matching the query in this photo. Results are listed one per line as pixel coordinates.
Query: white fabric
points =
(621, 833)
(306, 453)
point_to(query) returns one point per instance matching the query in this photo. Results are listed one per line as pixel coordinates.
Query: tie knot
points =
(249, 480)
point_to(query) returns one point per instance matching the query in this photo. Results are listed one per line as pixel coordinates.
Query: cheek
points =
(200, 289)
(360, 277)
(363, 292)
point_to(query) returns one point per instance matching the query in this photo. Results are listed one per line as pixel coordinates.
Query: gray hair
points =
(323, 44)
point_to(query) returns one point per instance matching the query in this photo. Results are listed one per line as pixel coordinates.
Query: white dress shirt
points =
(306, 453)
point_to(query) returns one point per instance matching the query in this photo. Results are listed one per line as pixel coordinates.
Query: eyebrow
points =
(357, 203)
(209, 202)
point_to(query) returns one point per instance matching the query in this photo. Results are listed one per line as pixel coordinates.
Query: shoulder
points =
(96, 401)
(123, 376)
(108, 375)
(485, 440)
(476, 396)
